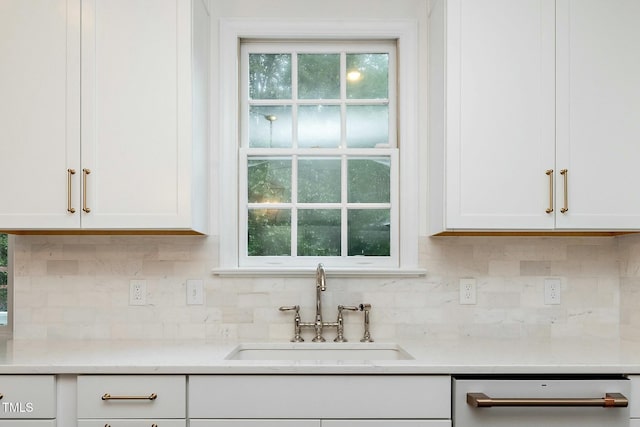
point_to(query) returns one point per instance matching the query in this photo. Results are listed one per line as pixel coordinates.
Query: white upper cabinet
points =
(39, 111)
(499, 127)
(598, 105)
(522, 90)
(131, 99)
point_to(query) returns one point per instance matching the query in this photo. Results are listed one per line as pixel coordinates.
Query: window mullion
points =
(294, 205)
(344, 242)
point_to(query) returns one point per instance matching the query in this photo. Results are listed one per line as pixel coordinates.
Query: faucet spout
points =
(321, 285)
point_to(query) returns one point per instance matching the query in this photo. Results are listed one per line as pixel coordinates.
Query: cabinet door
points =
(500, 118)
(132, 423)
(386, 423)
(598, 104)
(136, 113)
(254, 423)
(39, 112)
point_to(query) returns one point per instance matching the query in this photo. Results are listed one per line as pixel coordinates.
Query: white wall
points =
(77, 287)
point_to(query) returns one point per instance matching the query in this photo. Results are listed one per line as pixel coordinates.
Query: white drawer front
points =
(131, 423)
(27, 396)
(634, 399)
(169, 403)
(326, 396)
(386, 423)
(254, 423)
(29, 423)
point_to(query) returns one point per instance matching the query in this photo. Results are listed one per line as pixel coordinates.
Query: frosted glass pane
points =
(367, 126)
(318, 126)
(270, 127)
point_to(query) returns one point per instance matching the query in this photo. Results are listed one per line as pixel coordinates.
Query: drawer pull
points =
(107, 396)
(611, 400)
(85, 172)
(152, 425)
(549, 173)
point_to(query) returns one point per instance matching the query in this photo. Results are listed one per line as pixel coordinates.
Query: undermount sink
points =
(319, 351)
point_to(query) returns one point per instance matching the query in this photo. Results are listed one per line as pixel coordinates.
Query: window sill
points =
(310, 272)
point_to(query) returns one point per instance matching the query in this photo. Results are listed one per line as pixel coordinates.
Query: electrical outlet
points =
(195, 292)
(552, 291)
(468, 291)
(137, 292)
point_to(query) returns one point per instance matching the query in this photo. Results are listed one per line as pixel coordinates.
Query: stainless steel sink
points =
(319, 351)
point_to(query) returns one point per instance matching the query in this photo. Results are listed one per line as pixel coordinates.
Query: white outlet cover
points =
(467, 291)
(137, 292)
(195, 292)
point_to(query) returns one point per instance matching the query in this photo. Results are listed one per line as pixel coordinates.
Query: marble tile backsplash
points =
(77, 287)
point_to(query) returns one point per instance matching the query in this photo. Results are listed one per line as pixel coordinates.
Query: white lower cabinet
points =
(319, 423)
(132, 401)
(132, 423)
(27, 400)
(30, 423)
(255, 423)
(319, 400)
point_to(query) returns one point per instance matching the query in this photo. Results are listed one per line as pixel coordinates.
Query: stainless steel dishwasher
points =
(532, 401)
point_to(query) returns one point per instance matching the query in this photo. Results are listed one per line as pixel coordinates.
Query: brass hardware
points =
(107, 396)
(1, 395)
(549, 173)
(85, 172)
(565, 174)
(611, 400)
(70, 172)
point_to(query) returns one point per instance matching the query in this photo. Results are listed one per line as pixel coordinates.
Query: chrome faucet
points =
(318, 325)
(321, 286)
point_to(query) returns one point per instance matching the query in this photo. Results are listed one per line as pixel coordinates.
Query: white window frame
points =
(405, 34)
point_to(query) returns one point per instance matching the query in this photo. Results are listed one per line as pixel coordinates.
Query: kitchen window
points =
(318, 153)
(322, 149)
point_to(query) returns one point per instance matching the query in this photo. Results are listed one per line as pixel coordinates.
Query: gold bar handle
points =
(107, 396)
(152, 425)
(85, 172)
(70, 172)
(611, 400)
(549, 173)
(565, 174)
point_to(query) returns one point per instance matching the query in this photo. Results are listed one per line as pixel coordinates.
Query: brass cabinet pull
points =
(70, 172)
(565, 174)
(85, 172)
(549, 173)
(610, 400)
(107, 396)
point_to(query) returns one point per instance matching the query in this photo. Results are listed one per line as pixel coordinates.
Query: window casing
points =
(403, 34)
(318, 159)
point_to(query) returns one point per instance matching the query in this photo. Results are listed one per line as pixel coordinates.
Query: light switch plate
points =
(195, 292)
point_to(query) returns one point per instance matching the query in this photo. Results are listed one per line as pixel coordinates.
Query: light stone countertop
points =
(464, 356)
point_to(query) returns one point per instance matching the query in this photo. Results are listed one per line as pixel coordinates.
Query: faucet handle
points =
(340, 322)
(297, 337)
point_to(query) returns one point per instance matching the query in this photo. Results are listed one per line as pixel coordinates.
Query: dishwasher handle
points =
(611, 400)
